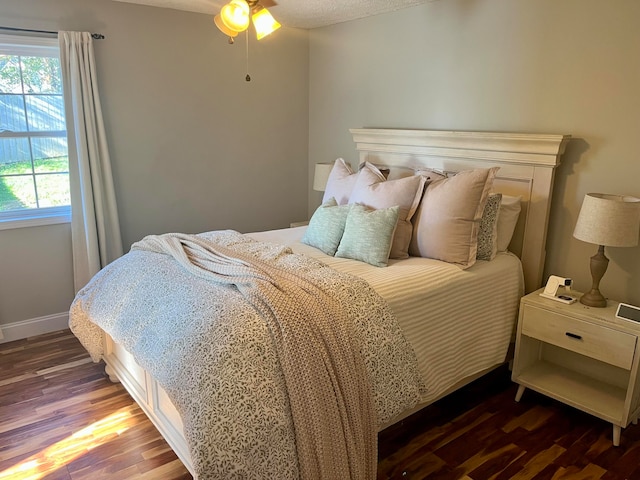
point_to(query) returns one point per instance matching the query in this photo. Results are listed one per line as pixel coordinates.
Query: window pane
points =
(50, 154)
(17, 193)
(10, 74)
(45, 112)
(12, 116)
(53, 190)
(34, 164)
(15, 156)
(41, 75)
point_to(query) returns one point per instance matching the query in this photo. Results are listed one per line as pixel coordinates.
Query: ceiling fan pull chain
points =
(248, 77)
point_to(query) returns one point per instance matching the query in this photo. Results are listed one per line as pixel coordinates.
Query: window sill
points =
(51, 216)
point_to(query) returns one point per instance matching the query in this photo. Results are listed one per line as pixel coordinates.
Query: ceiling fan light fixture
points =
(234, 16)
(223, 28)
(264, 22)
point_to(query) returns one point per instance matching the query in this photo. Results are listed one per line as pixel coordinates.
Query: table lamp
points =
(607, 221)
(321, 176)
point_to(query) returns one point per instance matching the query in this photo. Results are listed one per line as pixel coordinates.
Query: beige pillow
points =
(340, 182)
(448, 219)
(371, 189)
(431, 175)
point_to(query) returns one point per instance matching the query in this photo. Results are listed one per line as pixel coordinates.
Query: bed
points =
(458, 322)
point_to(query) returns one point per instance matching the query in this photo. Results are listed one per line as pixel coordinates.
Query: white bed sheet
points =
(459, 322)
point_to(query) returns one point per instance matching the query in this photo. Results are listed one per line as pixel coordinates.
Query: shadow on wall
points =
(561, 217)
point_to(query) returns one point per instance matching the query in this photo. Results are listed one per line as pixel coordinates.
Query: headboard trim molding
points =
(516, 147)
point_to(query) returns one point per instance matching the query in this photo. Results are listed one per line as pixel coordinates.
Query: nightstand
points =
(582, 356)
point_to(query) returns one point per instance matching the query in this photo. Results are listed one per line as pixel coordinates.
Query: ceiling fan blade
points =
(268, 3)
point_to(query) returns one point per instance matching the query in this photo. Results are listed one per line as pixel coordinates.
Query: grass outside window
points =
(19, 182)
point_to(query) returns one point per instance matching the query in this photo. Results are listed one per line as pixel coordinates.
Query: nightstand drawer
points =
(595, 341)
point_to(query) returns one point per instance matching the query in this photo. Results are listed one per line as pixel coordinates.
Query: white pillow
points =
(340, 182)
(447, 222)
(507, 220)
(372, 190)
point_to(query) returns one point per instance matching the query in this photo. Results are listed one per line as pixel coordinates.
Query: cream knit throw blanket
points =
(330, 397)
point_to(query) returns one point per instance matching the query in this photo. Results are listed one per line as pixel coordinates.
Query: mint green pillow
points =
(326, 226)
(368, 234)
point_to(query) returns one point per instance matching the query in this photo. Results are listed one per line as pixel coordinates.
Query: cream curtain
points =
(95, 229)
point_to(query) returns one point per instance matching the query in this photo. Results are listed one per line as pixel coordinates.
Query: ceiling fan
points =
(234, 18)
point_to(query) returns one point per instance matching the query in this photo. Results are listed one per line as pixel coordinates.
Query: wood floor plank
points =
(528, 466)
(61, 419)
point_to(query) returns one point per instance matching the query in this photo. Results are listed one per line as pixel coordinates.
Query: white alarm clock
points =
(628, 312)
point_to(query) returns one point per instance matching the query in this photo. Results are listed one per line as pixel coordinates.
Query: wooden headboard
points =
(527, 164)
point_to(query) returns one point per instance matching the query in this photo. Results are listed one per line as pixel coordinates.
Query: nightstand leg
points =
(616, 435)
(519, 392)
(635, 421)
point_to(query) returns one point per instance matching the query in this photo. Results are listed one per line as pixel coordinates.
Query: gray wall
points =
(543, 66)
(193, 146)
(196, 148)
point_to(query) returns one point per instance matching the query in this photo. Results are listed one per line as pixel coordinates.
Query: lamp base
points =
(598, 266)
(593, 299)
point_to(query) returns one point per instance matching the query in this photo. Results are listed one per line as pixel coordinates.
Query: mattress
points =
(459, 322)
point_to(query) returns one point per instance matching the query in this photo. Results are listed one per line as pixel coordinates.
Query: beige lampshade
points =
(321, 176)
(609, 220)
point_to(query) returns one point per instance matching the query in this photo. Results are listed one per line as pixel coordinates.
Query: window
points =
(34, 163)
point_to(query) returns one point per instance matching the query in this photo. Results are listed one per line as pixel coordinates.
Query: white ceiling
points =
(298, 13)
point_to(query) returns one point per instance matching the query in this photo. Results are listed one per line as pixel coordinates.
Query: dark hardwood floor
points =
(61, 418)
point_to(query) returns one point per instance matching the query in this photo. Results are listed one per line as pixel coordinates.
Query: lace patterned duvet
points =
(214, 353)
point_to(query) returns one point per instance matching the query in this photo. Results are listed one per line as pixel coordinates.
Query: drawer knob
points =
(573, 335)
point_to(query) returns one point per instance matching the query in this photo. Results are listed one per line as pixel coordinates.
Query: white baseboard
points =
(33, 326)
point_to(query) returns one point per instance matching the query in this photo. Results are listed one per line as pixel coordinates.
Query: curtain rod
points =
(95, 36)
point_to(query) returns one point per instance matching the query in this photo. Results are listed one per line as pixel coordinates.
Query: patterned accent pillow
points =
(340, 182)
(326, 227)
(488, 233)
(368, 234)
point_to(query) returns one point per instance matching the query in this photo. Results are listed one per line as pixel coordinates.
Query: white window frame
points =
(31, 217)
